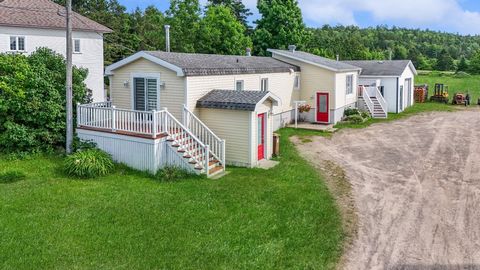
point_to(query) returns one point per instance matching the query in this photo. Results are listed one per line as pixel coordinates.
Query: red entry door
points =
(261, 136)
(322, 108)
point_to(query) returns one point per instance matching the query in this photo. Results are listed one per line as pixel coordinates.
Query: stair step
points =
(215, 170)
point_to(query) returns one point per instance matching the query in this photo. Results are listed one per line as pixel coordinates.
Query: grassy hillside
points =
(456, 84)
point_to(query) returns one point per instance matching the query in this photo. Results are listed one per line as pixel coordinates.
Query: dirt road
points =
(416, 187)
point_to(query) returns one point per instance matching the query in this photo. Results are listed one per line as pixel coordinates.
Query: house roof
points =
(43, 14)
(234, 100)
(193, 64)
(316, 60)
(394, 68)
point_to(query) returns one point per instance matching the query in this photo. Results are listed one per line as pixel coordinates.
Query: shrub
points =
(11, 176)
(173, 173)
(32, 100)
(88, 164)
(81, 145)
(355, 119)
(461, 74)
(351, 111)
(365, 115)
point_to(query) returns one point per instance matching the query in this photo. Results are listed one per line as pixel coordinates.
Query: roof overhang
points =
(276, 101)
(109, 71)
(313, 63)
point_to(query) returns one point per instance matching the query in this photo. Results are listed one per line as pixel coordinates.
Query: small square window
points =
(264, 84)
(17, 43)
(239, 86)
(76, 46)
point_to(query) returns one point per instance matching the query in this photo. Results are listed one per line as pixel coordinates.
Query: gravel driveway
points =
(416, 188)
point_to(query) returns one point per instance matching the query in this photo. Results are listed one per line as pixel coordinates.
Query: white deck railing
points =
(104, 116)
(199, 129)
(366, 98)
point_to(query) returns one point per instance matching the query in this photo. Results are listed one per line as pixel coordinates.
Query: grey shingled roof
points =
(43, 14)
(381, 68)
(194, 64)
(231, 99)
(315, 59)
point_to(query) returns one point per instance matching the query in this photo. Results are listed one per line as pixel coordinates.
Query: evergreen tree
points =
(445, 61)
(237, 7)
(221, 33)
(184, 18)
(281, 25)
(475, 63)
(462, 65)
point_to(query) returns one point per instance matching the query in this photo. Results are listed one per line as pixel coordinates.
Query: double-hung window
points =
(296, 83)
(264, 84)
(239, 85)
(17, 43)
(77, 46)
(349, 84)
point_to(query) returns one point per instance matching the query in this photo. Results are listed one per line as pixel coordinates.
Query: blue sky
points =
(457, 16)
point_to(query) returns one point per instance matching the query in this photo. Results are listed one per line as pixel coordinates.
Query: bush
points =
(355, 119)
(81, 145)
(365, 115)
(351, 111)
(11, 176)
(88, 164)
(32, 100)
(461, 74)
(172, 173)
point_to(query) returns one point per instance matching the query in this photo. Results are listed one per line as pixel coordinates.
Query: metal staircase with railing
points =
(372, 100)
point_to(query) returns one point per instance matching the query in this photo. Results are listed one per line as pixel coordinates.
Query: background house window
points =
(239, 85)
(296, 83)
(17, 43)
(76, 46)
(264, 84)
(349, 84)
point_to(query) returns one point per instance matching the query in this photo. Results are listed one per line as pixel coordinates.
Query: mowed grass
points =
(456, 85)
(283, 218)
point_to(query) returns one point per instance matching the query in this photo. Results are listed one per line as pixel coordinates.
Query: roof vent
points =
(292, 48)
(249, 52)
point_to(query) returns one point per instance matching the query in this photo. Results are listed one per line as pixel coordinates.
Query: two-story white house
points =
(29, 24)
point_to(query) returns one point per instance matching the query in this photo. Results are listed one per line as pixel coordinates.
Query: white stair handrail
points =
(382, 101)
(367, 99)
(201, 131)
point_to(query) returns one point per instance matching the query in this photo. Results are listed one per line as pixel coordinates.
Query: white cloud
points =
(446, 15)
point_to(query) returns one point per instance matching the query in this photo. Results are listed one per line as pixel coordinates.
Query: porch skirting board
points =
(142, 154)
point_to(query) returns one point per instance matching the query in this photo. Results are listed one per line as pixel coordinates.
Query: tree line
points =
(222, 27)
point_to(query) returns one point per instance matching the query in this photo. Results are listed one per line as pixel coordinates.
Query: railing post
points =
(78, 114)
(207, 159)
(154, 123)
(223, 154)
(114, 120)
(165, 120)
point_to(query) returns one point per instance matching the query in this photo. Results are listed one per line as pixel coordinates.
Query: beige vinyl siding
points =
(232, 126)
(172, 95)
(313, 79)
(280, 84)
(341, 97)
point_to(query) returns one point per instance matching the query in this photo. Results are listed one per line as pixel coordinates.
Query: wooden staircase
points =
(378, 110)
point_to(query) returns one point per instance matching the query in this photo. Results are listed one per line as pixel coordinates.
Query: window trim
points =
(17, 38)
(349, 91)
(79, 46)
(296, 82)
(266, 84)
(243, 85)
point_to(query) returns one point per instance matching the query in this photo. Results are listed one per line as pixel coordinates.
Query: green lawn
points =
(283, 218)
(470, 83)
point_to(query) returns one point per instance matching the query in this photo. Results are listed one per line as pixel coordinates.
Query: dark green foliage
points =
(355, 119)
(281, 25)
(88, 164)
(32, 100)
(445, 61)
(351, 111)
(463, 65)
(11, 176)
(81, 145)
(172, 173)
(237, 7)
(184, 18)
(218, 23)
(475, 63)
